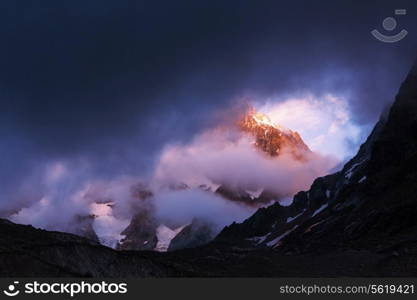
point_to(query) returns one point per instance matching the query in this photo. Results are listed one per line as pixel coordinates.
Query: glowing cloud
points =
(324, 123)
(225, 157)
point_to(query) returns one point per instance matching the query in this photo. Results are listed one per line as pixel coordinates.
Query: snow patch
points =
(349, 172)
(275, 242)
(290, 219)
(320, 209)
(265, 120)
(165, 235)
(212, 186)
(108, 230)
(259, 239)
(362, 179)
(106, 226)
(101, 209)
(254, 194)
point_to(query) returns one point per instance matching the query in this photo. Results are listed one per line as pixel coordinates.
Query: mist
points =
(222, 156)
(217, 156)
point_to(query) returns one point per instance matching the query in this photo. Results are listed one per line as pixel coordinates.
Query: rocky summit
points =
(271, 138)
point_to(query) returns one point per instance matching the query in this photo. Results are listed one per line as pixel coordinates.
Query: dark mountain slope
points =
(371, 204)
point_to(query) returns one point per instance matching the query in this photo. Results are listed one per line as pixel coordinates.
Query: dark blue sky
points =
(113, 81)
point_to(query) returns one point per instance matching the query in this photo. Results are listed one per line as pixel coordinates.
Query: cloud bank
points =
(222, 156)
(219, 156)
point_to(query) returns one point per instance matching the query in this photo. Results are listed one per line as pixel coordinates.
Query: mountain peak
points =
(262, 119)
(270, 137)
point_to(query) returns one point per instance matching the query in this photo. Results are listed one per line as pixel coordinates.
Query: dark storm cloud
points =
(114, 80)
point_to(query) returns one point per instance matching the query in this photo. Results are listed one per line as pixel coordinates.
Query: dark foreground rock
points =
(29, 252)
(26, 251)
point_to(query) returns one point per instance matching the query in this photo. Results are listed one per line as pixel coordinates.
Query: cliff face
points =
(140, 234)
(272, 138)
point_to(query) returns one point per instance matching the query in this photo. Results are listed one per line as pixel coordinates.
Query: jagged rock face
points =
(140, 234)
(272, 138)
(270, 223)
(193, 235)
